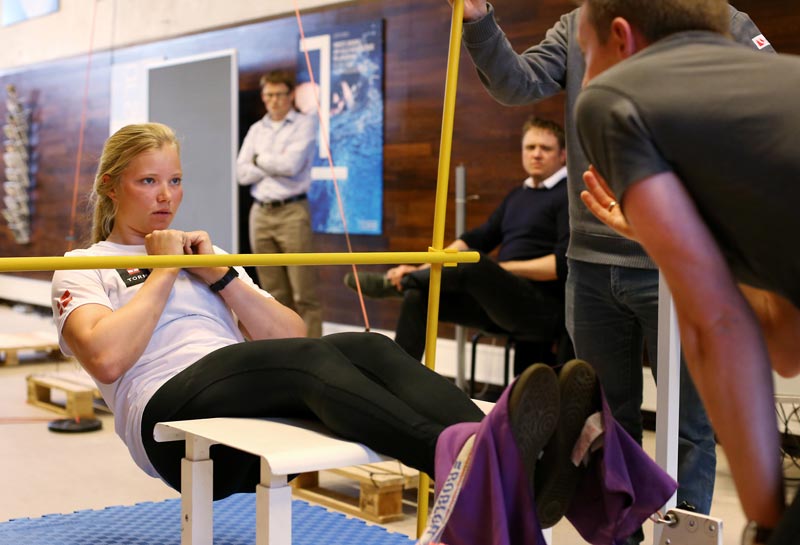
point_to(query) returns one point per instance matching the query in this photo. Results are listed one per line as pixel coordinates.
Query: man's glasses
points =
(282, 94)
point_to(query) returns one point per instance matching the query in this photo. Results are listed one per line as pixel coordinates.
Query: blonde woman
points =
(184, 343)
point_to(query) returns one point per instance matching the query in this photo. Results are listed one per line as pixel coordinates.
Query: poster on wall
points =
(15, 11)
(347, 67)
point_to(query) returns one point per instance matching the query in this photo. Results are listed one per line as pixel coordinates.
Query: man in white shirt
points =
(275, 161)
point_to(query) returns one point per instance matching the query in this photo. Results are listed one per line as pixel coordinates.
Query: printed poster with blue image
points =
(347, 64)
(15, 11)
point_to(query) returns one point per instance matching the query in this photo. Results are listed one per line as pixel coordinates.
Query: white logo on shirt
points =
(761, 41)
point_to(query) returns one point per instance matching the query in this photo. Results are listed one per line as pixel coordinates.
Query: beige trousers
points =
(287, 229)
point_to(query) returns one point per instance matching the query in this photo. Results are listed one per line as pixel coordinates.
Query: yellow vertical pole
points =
(439, 215)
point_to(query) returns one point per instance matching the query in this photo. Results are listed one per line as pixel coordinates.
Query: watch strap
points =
(220, 284)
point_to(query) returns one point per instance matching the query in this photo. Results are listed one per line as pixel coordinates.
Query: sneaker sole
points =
(559, 476)
(533, 412)
(350, 281)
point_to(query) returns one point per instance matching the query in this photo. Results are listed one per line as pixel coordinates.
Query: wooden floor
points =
(45, 472)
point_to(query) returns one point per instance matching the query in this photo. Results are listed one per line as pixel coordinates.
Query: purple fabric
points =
(621, 488)
(494, 506)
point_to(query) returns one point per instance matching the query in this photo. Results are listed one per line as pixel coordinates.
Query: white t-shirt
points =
(194, 323)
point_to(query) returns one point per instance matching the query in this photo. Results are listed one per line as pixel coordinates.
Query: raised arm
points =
(103, 340)
(473, 9)
(511, 77)
(724, 348)
(259, 317)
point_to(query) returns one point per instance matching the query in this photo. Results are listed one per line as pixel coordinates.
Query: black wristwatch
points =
(220, 284)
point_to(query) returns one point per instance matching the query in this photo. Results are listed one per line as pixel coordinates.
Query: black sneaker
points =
(533, 411)
(557, 475)
(373, 285)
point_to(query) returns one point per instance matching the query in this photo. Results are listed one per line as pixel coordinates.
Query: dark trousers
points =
(788, 529)
(362, 386)
(612, 315)
(482, 295)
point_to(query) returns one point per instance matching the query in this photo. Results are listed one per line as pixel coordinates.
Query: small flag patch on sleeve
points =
(761, 41)
(63, 302)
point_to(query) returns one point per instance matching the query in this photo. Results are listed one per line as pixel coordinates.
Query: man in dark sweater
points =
(522, 292)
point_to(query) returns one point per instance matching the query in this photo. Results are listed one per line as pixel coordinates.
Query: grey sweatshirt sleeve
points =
(745, 31)
(511, 77)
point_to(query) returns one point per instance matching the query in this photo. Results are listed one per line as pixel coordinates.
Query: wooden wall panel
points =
(486, 134)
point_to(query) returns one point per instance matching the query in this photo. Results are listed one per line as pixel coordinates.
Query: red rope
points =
(326, 144)
(79, 155)
(23, 419)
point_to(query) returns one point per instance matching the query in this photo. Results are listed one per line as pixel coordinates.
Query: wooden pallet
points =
(380, 496)
(79, 389)
(12, 343)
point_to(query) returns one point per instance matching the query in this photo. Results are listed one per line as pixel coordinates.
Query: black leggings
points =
(362, 386)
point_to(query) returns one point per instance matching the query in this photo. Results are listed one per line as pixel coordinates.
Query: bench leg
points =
(12, 357)
(80, 405)
(197, 489)
(273, 509)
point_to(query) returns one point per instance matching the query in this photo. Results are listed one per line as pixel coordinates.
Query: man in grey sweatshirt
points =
(612, 285)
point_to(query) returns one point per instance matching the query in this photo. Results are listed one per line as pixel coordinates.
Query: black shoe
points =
(557, 475)
(533, 411)
(374, 285)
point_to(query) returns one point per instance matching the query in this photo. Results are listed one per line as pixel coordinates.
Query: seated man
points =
(523, 291)
(703, 166)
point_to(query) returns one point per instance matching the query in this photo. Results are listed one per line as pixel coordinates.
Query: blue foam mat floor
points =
(158, 523)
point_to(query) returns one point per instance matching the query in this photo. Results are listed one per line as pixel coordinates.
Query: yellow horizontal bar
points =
(17, 264)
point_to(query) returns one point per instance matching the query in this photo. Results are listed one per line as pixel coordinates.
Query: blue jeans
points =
(612, 314)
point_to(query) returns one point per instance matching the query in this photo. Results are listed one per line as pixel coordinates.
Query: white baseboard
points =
(489, 368)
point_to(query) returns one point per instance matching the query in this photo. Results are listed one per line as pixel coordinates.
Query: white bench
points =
(285, 446)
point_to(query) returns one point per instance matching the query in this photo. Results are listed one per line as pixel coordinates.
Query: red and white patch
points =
(133, 271)
(761, 41)
(63, 302)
